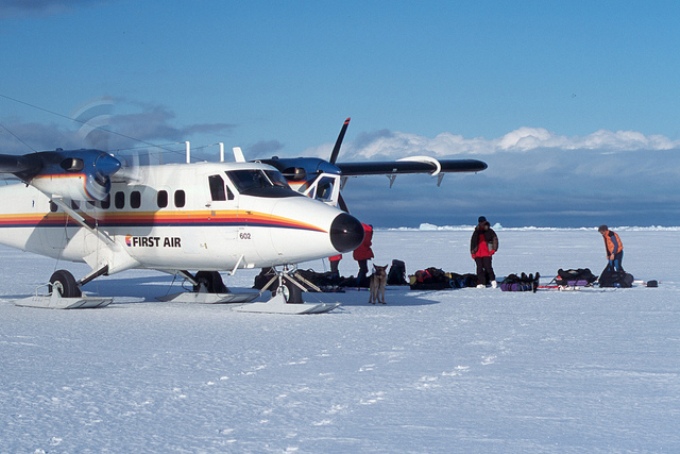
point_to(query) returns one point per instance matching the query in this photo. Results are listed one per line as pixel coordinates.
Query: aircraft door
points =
(326, 188)
(223, 206)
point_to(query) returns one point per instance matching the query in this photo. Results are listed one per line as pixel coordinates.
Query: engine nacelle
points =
(74, 186)
(83, 175)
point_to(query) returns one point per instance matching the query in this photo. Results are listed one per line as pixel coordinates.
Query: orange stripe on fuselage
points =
(151, 218)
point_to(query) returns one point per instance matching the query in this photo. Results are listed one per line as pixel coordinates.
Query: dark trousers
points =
(485, 272)
(334, 266)
(617, 263)
(363, 272)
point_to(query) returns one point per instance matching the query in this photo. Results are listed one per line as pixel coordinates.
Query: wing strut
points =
(81, 220)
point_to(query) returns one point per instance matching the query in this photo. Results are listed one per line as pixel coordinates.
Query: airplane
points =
(85, 206)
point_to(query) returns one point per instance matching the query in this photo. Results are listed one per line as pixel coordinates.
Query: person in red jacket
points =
(483, 245)
(363, 254)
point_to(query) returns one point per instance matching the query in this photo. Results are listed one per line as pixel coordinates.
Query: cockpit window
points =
(247, 179)
(276, 178)
(255, 179)
(267, 183)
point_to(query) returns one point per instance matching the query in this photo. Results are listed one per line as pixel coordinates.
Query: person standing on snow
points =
(363, 254)
(335, 262)
(613, 246)
(483, 245)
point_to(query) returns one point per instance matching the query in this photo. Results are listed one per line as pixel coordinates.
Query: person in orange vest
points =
(363, 254)
(614, 247)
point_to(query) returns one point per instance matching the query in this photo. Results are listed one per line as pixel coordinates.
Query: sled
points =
(574, 288)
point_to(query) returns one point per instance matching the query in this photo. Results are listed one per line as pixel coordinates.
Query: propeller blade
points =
(338, 143)
(341, 203)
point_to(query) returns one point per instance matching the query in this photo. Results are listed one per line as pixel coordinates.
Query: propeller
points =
(334, 157)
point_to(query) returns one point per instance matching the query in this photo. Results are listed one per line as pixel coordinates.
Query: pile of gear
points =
(331, 281)
(433, 278)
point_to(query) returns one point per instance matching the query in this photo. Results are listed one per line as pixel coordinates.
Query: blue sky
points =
(572, 104)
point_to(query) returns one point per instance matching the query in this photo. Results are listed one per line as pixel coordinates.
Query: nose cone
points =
(107, 164)
(346, 233)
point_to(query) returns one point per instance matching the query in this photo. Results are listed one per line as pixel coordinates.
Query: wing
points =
(20, 164)
(411, 165)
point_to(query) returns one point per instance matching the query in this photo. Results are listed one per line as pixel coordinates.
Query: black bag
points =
(463, 280)
(397, 274)
(431, 279)
(619, 279)
(265, 276)
(579, 277)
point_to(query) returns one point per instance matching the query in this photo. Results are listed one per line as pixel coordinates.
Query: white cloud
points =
(388, 144)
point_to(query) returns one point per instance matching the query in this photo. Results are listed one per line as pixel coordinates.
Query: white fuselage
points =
(173, 217)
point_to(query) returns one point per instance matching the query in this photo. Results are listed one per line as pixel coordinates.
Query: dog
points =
(378, 280)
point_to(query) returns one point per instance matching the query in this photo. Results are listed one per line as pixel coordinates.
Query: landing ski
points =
(55, 301)
(209, 298)
(278, 305)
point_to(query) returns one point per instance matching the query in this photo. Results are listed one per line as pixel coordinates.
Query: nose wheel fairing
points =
(346, 233)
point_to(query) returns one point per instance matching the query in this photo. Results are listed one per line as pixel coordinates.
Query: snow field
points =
(471, 370)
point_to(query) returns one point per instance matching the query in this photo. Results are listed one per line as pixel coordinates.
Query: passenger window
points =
(119, 200)
(217, 188)
(135, 199)
(180, 198)
(106, 203)
(53, 207)
(74, 204)
(162, 199)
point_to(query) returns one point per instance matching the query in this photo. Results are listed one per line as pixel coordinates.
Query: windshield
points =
(276, 178)
(260, 182)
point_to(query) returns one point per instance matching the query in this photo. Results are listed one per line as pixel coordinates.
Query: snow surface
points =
(472, 370)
